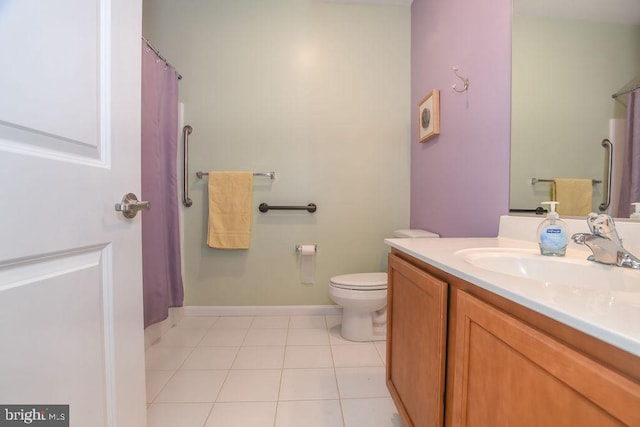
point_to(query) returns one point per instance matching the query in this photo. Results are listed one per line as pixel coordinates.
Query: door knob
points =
(131, 205)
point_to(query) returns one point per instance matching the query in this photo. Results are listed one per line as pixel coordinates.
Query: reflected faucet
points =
(605, 243)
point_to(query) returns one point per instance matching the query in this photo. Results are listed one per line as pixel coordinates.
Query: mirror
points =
(568, 58)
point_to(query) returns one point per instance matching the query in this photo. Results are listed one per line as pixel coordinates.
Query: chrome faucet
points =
(605, 243)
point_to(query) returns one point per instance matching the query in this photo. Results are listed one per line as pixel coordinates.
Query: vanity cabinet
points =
(499, 363)
(506, 373)
(416, 343)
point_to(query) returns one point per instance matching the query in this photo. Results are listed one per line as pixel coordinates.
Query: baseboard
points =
(260, 310)
(152, 333)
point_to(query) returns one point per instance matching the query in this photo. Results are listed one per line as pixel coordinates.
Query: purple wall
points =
(460, 178)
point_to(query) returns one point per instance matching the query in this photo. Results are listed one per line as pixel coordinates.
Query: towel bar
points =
(271, 175)
(537, 180)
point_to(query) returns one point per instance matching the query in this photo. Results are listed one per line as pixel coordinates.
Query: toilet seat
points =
(360, 281)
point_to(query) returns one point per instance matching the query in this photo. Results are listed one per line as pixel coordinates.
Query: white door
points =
(70, 266)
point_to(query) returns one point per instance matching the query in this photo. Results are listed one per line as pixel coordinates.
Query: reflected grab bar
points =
(608, 165)
(186, 131)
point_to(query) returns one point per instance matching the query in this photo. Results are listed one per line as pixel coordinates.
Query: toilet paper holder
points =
(300, 247)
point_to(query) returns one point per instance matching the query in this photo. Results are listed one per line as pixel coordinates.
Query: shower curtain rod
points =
(631, 86)
(624, 92)
(157, 52)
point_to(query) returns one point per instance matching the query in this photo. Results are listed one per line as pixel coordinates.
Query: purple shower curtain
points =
(630, 188)
(161, 271)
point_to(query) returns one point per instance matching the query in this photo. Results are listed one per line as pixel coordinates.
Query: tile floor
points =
(266, 371)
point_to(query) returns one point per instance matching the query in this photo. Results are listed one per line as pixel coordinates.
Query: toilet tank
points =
(414, 234)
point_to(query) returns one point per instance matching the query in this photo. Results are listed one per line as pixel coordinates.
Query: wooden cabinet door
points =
(509, 374)
(416, 337)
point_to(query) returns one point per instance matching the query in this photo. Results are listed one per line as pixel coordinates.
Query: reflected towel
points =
(575, 196)
(230, 199)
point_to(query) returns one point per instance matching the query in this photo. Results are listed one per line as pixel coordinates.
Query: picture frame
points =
(429, 116)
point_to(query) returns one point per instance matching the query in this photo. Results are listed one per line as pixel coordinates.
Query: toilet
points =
(363, 298)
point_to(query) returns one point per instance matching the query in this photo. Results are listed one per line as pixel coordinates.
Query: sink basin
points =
(570, 271)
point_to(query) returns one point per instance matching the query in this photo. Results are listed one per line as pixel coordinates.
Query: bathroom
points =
(334, 117)
(325, 90)
(322, 94)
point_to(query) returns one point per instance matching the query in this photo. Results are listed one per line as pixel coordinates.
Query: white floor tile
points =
(381, 346)
(211, 358)
(155, 380)
(363, 354)
(244, 414)
(376, 412)
(308, 322)
(335, 337)
(251, 386)
(181, 337)
(308, 356)
(309, 413)
(223, 338)
(362, 382)
(270, 322)
(166, 358)
(233, 322)
(264, 371)
(308, 337)
(270, 357)
(307, 384)
(192, 386)
(263, 337)
(196, 322)
(177, 414)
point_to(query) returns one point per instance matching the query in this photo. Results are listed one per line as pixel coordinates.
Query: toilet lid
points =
(361, 281)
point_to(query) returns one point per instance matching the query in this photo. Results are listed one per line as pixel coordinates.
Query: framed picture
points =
(429, 116)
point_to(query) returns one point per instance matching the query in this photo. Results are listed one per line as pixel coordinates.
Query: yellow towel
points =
(230, 199)
(574, 196)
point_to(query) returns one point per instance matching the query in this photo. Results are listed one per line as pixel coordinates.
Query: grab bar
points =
(606, 198)
(311, 207)
(186, 131)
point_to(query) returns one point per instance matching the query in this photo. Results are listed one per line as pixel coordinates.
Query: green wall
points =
(318, 92)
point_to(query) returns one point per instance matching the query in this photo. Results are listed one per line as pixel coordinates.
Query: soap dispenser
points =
(636, 215)
(552, 233)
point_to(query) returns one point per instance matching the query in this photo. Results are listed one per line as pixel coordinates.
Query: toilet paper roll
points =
(307, 267)
(308, 249)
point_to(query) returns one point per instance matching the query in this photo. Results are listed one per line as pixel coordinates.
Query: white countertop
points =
(594, 311)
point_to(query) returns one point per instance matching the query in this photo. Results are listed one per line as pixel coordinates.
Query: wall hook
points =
(465, 81)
